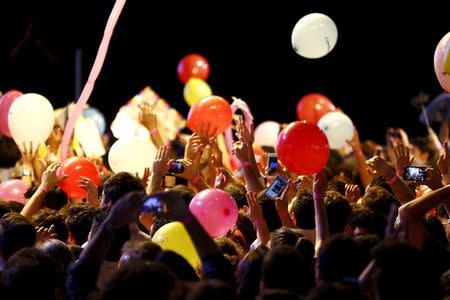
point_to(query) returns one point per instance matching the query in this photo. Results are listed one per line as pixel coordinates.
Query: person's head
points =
(337, 186)
(47, 217)
(336, 291)
(141, 278)
(4, 208)
(138, 250)
(306, 249)
(285, 268)
(211, 289)
(238, 192)
(55, 198)
(338, 260)
(378, 200)
(118, 185)
(178, 264)
(245, 227)
(30, 274)
(16, 232)
(338, 212)
(248, 273)
(158, 222)
(424, 151)
(15, 206)
(61, 255)
(366, 244)
(284, 236)
(270, 213)
(186, 193)
(302, 210)
(231, 250)
(379, 181)
(80, 223)
(364, 221)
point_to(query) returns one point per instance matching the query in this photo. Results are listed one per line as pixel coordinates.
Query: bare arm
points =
(255, 215)
(319, 189)
(360, 159)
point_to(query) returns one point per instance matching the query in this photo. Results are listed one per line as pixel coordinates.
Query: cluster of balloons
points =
(74, 168)
(193, 71)
(312, 107)
(442, 62)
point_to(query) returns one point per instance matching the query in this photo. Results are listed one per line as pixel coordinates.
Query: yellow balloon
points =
(196, 89)
(174, 237)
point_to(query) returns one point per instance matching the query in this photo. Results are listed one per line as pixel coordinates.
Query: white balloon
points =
(337, 127)
(31, 119)
(131, 155)
(266, 133)
(314, 35)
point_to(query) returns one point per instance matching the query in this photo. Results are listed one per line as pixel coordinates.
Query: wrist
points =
(393, 179)
(258, 222)
(245, 164)
(196, 179)
(153, 131)
(43, 188)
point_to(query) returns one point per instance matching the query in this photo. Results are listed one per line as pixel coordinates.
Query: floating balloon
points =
(196, 89)
(193, 65)
(266, 133)
(173, 236)
(74, 168)
(314, 35)
(216, 211)
(131, 155)
(98, 118)
(30, 119)
(442, 62)
(312, 107)
(5, 104)
(338, 128)
(13, 190)
(303, 148)
(213, 111)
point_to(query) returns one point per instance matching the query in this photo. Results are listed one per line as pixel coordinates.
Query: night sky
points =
(383, 56)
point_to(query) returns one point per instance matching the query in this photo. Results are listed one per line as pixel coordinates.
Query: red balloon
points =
(303, 148)
(313, 106)
(212, 111)
(193, 65)
(5, 104)
(74, 168)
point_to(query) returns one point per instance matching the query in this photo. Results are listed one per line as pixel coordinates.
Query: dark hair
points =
(62, 256)
(436, 230)
(178, 264)
(80, 223)
(211, 289)
(55, 198)
(15, 206)
(141, 278)
(141, 250)
(30, 274)
(270, 213)
(363, 217)
(4, 208)
(9, 152)
(16, 232)
(245, 226)
(120, 184)
(336, 291)
(46, 217)
(238, 192)
(306, 249)
(366, 244)
(248, 273)
(337, 186)
(283, 266)
(381, 182)
(378, 200)
(338, 212)
(303, 210)
(186, 193)
(339, 259)
(425, 145)
(158, 222)
(285, 236)
(231, 250)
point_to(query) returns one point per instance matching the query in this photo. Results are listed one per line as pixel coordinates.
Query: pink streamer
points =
(95, 71)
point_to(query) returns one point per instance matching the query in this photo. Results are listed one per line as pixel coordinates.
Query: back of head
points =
(284, 236)
(16, 232)
(306, 249)
(339, 260)
(336, 291)
(364, 221)
(245, 226)
(118, 185)
(270, 213)
(337, 186)
(80, 223)
(4, 208)
(338, 212)
(303, 210)
(248, 273)
(47, 217)
(30, 274)
(141, 278)
(231, 250)
(211, 289)
(178, 264)
(285, 268)
(61, 255)
(378, 200)
(55, 198)
(186, 193)
(140, 250)
(238, 192)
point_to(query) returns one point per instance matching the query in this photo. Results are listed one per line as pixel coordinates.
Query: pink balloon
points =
(13, 190)
(216, 211)
(442, 62)
(5, 103)
(95, 71)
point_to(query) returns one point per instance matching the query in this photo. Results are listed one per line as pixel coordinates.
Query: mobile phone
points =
(153, 205)
(176, 167)
(272, 163)
(169, 181)
(277, 187)
(414, 173)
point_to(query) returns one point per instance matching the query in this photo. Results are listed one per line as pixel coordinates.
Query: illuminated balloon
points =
(213, 111)
(98, 118)
(173, 236)
(338, 128)
(193, 65)
(74, 168)
(216, 211)
(5, 104)
(303, 148)
(312, 107)
(314, 35)
(196, 89)
(13, 190)
(442, 62)
(266, 133)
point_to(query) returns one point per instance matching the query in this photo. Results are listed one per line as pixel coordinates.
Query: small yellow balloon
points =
(174, 237)
(196, 89)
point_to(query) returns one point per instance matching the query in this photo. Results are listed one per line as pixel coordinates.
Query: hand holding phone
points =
(176, 167)
(412, 173)
(277, 187)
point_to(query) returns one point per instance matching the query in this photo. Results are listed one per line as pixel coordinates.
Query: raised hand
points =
(320, 185)
(161, 164)
(254, 211)
(91, 189)
(379, 167)
(241, 150)
(145, 177)
(245, 135)
(49, 178)
(433, 178)
(206, 133)
(193, 146)
(43, 234)
(190, 170)
(222, 179)
(352, 192)
(402, 157)
(28, 153)
(443, 160)
(147, 118)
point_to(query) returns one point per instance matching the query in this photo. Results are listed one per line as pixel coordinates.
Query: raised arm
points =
(160, 168)
(320, 186)
(150, 121)
(255, 215)
(360, 158)
(442, 163)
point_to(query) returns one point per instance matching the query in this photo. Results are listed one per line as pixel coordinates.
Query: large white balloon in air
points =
(338, 128)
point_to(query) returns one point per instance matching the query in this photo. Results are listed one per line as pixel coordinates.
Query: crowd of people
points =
(356, 230)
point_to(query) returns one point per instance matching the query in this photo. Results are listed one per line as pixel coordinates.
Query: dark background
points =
(383, 56)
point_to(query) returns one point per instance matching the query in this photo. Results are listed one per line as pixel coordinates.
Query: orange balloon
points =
(213, 112)
(312, 107)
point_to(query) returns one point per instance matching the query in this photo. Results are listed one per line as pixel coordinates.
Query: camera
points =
(414, 173)
(176, 167)
(272, 163)
(277, 187)
(153, 205)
